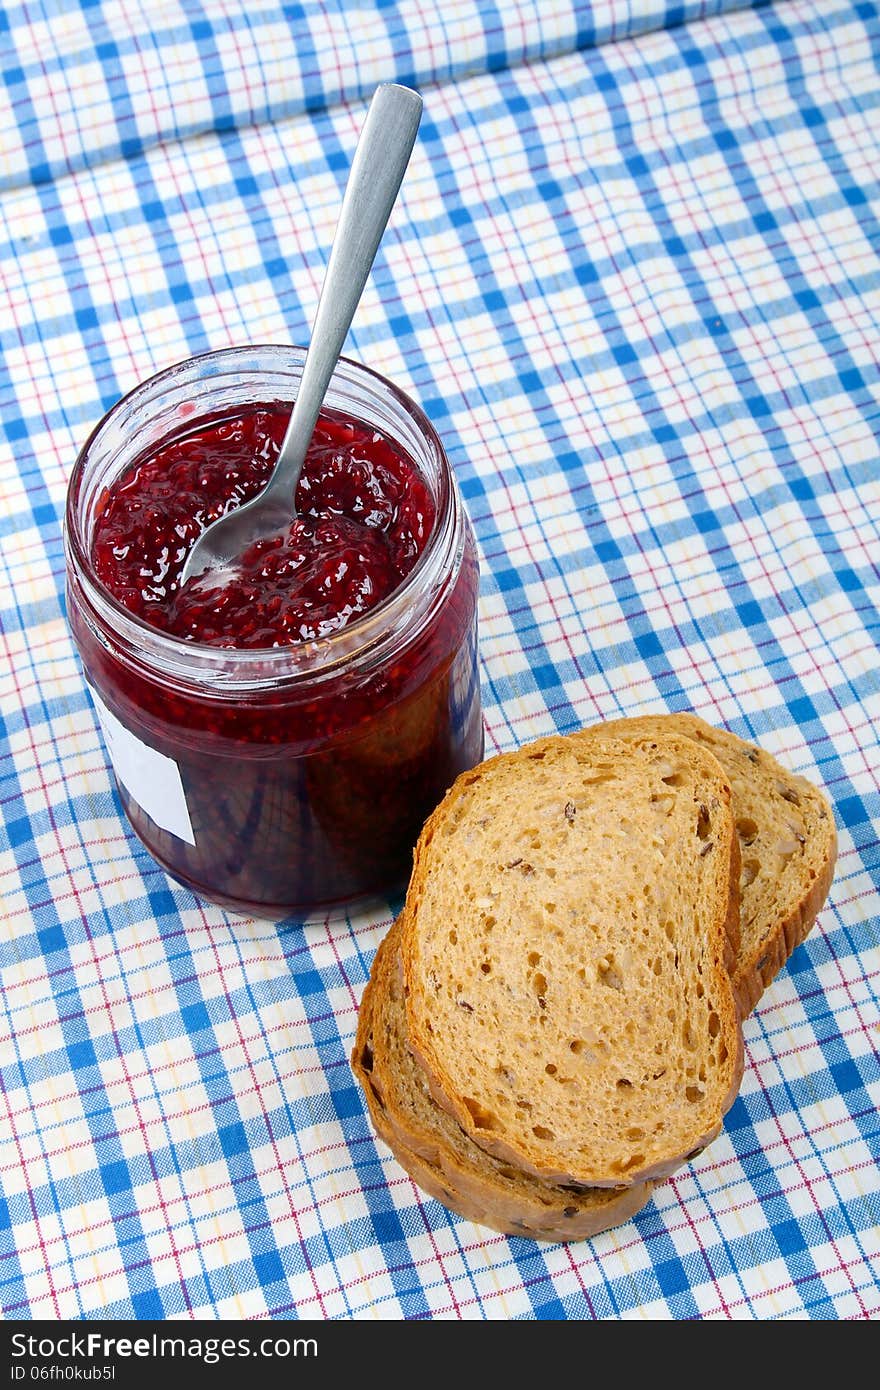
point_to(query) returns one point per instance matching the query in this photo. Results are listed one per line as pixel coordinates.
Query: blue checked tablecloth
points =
(633, 278)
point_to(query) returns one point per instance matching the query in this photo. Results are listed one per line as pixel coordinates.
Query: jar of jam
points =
(278, 739)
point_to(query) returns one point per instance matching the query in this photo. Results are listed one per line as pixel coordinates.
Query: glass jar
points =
(291, 780)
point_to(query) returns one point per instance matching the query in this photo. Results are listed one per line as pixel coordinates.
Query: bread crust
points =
(579, 1225)
(463, 1070)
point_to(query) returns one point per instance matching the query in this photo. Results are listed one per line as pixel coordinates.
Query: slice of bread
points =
(788, 844)
(428, 1143)
(564, 941)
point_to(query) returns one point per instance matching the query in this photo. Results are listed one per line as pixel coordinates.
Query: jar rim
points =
(230, 668)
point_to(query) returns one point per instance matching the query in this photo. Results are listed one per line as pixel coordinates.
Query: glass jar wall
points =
(289, 780)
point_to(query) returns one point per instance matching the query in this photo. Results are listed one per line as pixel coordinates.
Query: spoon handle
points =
(377, 171)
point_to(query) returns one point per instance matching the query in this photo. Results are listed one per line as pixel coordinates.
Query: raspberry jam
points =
(277, 742)
(363, 515)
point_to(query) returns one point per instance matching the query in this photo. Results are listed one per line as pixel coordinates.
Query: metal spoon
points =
(377, 171)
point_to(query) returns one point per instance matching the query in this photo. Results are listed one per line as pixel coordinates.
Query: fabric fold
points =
(109, 80)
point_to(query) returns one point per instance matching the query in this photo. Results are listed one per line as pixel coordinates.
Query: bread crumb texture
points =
(563, 951)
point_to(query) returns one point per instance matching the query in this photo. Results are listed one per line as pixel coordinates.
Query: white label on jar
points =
(148, 776)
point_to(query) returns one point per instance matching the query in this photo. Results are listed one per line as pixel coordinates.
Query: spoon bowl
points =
(380, 161)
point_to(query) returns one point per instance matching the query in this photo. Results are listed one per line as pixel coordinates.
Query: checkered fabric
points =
(633, 279)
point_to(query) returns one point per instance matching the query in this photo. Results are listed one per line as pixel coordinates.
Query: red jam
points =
(307, 777)
(363, 516)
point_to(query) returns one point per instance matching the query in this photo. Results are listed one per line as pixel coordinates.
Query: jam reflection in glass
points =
(315, 702)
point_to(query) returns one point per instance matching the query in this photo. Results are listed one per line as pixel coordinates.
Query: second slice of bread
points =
(788, 846)
(565, 943)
